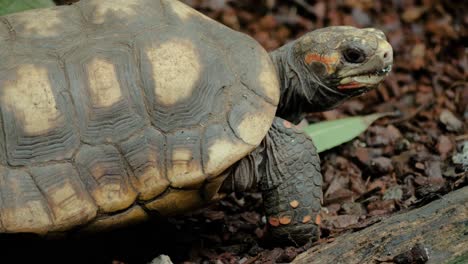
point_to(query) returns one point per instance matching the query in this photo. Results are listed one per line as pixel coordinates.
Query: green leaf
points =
(13, 6)
(329, 134)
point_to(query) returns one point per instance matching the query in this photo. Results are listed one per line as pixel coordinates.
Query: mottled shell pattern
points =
(113, 108)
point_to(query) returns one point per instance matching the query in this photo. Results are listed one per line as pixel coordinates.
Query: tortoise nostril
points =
(385, 55)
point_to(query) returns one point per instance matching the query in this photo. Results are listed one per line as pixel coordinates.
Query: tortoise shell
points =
(113, 108)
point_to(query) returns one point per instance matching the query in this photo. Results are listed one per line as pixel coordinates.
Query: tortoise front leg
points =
(292, 183)
(286, 168)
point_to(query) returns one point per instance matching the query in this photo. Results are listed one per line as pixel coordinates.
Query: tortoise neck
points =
(297, 92)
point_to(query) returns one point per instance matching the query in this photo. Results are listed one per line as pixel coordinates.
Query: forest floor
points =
(398, 164)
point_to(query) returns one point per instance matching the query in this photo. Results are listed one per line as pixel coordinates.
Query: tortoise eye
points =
(353, 55)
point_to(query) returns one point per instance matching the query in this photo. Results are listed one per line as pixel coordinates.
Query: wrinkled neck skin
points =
(291, 105)
(301, 91)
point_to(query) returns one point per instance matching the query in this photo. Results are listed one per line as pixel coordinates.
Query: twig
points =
(252, 260)
(457, 83)
(461, 137)
(412, 115)
(305, 5)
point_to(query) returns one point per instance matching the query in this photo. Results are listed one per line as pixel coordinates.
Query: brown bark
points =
(440, 228)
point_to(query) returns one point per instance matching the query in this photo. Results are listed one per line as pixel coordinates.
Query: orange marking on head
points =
(273, 221)
(329, 61)
(285, 219)
(287, 124)
(306, 219)
(294, 204)
(318, 220)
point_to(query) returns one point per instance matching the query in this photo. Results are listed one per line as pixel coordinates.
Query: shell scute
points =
(104, 86)
(37, 113)
(102, 170)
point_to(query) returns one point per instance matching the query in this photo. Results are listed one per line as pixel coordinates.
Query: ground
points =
(398, 164)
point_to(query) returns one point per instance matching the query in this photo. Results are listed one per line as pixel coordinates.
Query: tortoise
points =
(114, 110)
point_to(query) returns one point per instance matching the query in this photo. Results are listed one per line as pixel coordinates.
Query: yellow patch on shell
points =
(31, 99)
(328, 60)
(176, 70)
(64, 192)
(103, 83)
(211, 188)
(253, 128)
(111, 196)
(131, 216)
(66, 203)
(268, 79)
(222, 153)
(176, 202)
(150, 183)
(29, 217)
(51, 23)
(185, 171)
(116, 8)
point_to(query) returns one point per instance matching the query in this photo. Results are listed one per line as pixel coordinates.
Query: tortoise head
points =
(331, 64)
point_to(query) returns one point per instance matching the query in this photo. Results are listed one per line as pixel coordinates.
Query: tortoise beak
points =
(372, 72)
